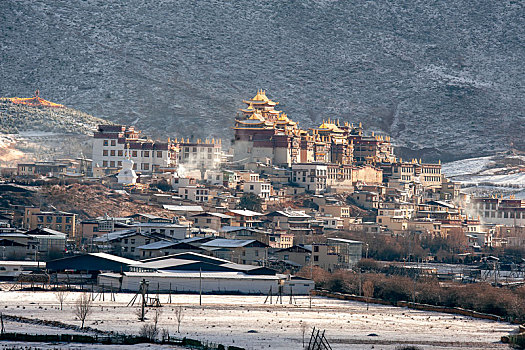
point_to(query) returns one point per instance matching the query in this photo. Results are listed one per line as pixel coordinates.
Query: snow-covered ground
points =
(465, 166)
(247, 322)
(499, 174)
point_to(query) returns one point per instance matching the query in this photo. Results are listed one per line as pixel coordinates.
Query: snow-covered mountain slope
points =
(442, 78)
(500, 174)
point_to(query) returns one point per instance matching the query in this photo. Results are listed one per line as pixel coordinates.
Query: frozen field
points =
(247, 322)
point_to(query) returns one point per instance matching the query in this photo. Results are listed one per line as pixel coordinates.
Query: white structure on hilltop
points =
(127, 175)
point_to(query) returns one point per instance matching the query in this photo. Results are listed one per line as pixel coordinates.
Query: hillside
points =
(16, 118)
(88, 201)
(40, 133)
(444, 79)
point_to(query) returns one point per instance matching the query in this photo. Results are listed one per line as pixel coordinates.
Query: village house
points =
(248, 251)
(214, 221)
(262, 189)
(125, 242)
(336, 253)
(311, 176)
(56, 220)
(366, 199)
(293, 221)
(164, 248)
(197, 194)
(245, 218)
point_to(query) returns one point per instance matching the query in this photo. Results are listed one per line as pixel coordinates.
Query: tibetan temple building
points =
(265, 134)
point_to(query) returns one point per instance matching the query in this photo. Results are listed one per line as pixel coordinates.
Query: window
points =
(68, 227)
(112, 153)
(105, 152)
(119, 163)
(58, 219)
(68, 219)
(146, 153)
(59, 227)
(105, 163)
(132, 249)
(134, 154)
(316, 249)
(145, 166)
(125, 241)
(105, 142)
(112, 163)
(113, 143)
(120, 153)
(316, 257)
(159, 154)
(133, 241)
(49, 219)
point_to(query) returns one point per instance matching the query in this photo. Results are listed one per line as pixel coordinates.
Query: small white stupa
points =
(127, 175)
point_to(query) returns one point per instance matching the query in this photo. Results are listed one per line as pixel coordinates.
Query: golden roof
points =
(35, 101)
(257, 116)
(249, 108)
(261, 98)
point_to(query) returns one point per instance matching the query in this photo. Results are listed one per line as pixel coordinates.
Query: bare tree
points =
(61, 295)
(179, 314)
(304, 327)
(83, 307)
(151, 331)
(368, 291)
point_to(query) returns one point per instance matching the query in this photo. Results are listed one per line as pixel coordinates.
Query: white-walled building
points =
(194, 193)
(259, 188)
(200, 155)
(111, 141)
(311, 176)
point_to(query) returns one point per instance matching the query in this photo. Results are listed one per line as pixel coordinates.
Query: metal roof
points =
(228, 243)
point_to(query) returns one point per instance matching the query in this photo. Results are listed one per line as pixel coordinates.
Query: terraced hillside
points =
(444, 79)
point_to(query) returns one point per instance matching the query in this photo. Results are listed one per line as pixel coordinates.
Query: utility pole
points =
(200, 286)
(143, 287)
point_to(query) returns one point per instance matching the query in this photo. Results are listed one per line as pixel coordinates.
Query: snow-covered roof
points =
(245, 212)
(290, 213)
(190, 208)
(342, 240)
(115, 258)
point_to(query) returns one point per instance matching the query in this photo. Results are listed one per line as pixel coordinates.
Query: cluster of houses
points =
(279, 198)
